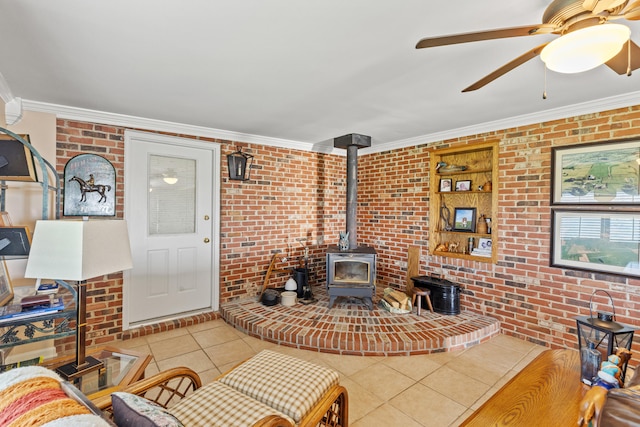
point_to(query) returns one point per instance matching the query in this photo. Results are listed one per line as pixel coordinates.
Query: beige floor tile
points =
(215, 336)
(456, 386)
(258, 345)
(229, 352)
(415, 367)
(172, 347)
(361, 401)
(428, 407)
(385, 416)
(133, 343)
(161, 336)
(501, 357)
(348, 365)
(382, 381)
(207, 325)
(196, 360)
(513, 343)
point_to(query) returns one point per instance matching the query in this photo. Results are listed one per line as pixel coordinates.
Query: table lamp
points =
(78, 250)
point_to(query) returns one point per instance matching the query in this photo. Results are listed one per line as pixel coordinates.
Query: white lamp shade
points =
(586, 48)
(78, 250)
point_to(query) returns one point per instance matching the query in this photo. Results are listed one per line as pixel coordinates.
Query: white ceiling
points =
(302, 71)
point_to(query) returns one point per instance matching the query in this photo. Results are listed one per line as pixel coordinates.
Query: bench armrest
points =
(165, 388)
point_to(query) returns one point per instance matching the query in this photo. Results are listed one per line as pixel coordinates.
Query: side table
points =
(547, 392)
(121, 367)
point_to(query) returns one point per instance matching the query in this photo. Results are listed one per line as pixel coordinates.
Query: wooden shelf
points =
(481, 161)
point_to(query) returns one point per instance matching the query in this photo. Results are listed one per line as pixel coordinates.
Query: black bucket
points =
(445, 295)
(300, 275)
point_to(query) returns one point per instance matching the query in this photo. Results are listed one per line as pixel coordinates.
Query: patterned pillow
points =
(130, 410)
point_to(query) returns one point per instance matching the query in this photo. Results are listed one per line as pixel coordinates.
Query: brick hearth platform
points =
(350, 328)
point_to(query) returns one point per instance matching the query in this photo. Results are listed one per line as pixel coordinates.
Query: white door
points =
(171, 206)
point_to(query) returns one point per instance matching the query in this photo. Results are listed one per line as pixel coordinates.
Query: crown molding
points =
(5, 91)
(114, 119)
(590, 107)
(94, 116)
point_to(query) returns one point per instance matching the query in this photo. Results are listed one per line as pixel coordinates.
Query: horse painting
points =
(90, 188)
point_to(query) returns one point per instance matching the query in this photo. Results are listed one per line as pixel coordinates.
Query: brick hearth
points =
(350, 328)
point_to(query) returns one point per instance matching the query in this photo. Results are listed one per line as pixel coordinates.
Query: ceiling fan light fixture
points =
(585, 49)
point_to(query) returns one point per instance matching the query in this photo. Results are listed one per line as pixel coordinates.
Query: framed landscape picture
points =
(604, 173)
(464, 220)
(600, 241)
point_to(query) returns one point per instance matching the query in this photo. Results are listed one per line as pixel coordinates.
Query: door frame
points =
(130, 136)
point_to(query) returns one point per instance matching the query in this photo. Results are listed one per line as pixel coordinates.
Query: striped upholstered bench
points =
(269, 389)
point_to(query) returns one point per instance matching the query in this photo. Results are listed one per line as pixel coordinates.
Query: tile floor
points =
(406, 391)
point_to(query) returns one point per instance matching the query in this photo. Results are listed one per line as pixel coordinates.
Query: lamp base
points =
(71, 371)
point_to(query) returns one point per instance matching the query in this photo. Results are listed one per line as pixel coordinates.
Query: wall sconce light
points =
(604, 333)
(239, 164)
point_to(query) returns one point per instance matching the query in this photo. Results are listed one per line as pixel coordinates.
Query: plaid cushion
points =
(285, 383)
(218, 405)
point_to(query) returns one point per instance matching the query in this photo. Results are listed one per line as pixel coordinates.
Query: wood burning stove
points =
(351, 273)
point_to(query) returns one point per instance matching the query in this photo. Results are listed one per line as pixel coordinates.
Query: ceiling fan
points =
(565, 18)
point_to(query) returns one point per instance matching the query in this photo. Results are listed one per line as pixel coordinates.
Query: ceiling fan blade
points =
(506, 68)
(597, 6)
(620, 62)
(485, 35)
(633, 11)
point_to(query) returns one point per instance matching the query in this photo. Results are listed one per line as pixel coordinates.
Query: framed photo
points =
(464, 220)
(464, 185)
(484, 244)
(6, 290)
(445, 184)
(14, 241)
(16, 160)
(89, 186)
(600, 241)
(604, 173)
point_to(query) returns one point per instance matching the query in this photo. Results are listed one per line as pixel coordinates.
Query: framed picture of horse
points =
(89, 186)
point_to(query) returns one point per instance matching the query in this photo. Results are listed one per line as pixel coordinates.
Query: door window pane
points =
(172, 195)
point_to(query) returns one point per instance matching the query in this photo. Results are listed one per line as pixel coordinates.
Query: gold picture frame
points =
(6, 289)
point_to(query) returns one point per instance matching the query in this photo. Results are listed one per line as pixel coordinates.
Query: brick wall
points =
(532, 300)
(296, 198)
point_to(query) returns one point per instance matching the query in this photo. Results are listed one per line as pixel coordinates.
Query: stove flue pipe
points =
(352, 143)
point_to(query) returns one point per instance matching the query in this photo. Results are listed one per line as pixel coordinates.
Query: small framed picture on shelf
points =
(464, 185)
(6, 290)
(464, 220)
(445, 184)
(484, 244)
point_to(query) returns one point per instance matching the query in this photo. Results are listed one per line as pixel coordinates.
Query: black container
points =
(301, 275)
(445, 295)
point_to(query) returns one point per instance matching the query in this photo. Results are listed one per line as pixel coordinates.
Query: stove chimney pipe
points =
(352, 142)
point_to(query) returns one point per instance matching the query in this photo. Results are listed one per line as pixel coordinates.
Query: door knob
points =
(206, 217)
(206, 240)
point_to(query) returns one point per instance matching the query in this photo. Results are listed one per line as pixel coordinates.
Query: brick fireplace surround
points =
(298, 196)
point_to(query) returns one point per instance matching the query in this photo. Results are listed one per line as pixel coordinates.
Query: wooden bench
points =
(547, 392)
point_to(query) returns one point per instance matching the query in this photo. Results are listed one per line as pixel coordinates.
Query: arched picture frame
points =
(89, 186)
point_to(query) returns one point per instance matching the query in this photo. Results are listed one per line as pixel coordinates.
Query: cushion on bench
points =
(218, 405)
(285, 383)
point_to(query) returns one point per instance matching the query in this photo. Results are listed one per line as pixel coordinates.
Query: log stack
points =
(397, 299)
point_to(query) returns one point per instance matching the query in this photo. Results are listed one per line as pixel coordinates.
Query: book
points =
(47, 288)
(12, 312)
